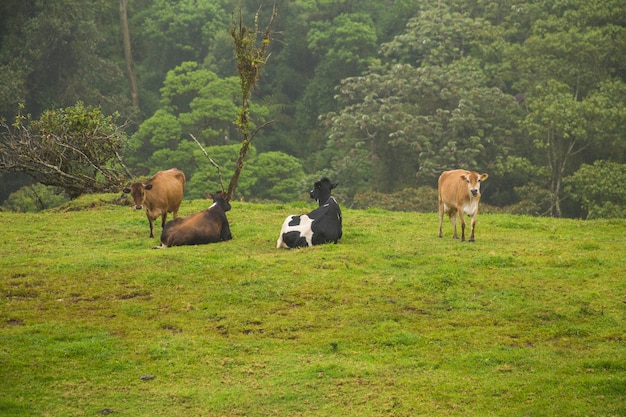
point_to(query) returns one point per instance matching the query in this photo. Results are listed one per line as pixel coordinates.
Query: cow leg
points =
(440, 219)
(453, 220)
(225, 233)
(473, 224)
(151, 221)
(462, 226)
(163, 219)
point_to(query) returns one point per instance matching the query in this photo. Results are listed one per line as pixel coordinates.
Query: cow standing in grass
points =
(322, 225)
(160, 195)
(207, 226)
(459, 194)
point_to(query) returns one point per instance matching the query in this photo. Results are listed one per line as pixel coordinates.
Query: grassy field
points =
(528, 321)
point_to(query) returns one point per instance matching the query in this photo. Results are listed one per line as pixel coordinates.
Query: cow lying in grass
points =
(322, 225)
(208, 226)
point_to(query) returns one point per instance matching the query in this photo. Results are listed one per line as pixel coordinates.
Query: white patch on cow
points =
(471, 207)
(304, 228)
(212, 205)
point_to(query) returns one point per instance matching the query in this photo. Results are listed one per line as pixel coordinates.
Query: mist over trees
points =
(379, 95)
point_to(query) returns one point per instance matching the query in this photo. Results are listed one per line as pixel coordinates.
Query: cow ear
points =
(464, 177)
(148, 186)
(333, 186)
(224, 195)
(126, 190)
(483, 177)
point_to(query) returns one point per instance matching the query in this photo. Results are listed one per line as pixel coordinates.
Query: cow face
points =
(473, 181)
(138, 193)
(321, 190)
(219, 199)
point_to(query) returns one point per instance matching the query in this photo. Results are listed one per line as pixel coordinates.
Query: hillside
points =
(392, 321)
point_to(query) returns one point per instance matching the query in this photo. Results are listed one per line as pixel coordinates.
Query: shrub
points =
(422, 199)
(600, 189)
(34, 198)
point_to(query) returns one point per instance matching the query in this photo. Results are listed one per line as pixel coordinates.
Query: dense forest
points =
(379, 95)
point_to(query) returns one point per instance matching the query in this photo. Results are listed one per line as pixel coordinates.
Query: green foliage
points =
(53, 54)
(455, 83)
(194, 101)
(166, 34)
(206, 179)
(34, 198)
(576, 57)
(349, 39)
(184, 156)
(600, 189)
(422, 200)
(439, 36)
(77, 148)
(269, 175)
(390, 321)
(277, 176)
(424, 120)
(344, 47)
(442, 101)
(251, 56)
(162, 131)
(533, 200)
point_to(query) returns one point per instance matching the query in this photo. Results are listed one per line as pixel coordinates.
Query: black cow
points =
(208, 226)
(322, 225)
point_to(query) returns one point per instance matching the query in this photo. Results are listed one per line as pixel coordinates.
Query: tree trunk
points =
(132, 79)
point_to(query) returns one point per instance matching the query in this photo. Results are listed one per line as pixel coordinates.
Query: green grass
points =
(392, 321)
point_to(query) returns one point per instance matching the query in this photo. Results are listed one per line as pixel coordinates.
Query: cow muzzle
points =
(138, 207)
(474, 192)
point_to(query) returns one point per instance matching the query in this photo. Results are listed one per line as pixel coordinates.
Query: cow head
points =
(473, 180)
(219, 199)
(321, 190)
(137, 191)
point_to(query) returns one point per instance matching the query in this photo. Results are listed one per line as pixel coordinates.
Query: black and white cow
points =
(322, 225)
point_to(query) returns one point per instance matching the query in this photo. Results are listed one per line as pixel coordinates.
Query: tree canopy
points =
(381, 95)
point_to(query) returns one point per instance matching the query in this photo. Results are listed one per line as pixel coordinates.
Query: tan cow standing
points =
(459, 193)
(160, 195)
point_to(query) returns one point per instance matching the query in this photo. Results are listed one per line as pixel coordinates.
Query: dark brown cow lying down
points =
(160, 195)
(208, 226)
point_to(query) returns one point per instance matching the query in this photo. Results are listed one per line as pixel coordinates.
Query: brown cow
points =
(161, 194)
(459, 193)
(208, 226)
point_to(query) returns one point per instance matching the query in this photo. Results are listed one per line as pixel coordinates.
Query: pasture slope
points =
(392, 321)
